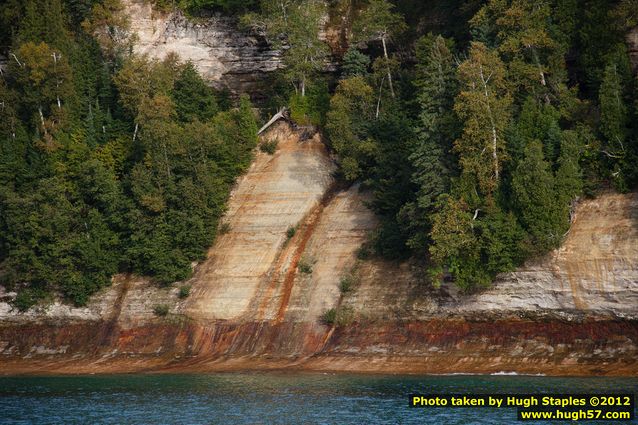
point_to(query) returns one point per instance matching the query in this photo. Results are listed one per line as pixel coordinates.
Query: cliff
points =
(228, 58)
(293, 232)
(258, 298)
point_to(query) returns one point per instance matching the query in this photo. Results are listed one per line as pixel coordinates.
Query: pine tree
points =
(535, 197)
(193, 98)
(436, 129)
(354, 64)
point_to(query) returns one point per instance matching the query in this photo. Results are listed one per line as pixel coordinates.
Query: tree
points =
(293, 26)
(437, 125)
(44, 77)
(108, 23)
(614, 125)
(569, 176)
(379, 22)
(535, 197)
(346, 126)
(455, 247)
(613, 111)
(484, 106)
(354, 64)
(193, 98)
(525, 40)
(537, 120)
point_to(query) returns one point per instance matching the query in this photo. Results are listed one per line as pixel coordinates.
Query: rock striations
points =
(257, 301)
(228, 58)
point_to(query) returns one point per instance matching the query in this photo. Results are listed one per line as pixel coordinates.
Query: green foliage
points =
(614, 122)
(305, 265)
(228, 6)
(436, 129)
(378, 21)
(354, 64)
(295, 24)
(310, 109)
(484, 106)
(535, 196)
(184, 292)
(351, 108)
(161, 310)
(339, 317)
(291, 232)
(347, 283)
(112, 162)
(269, 147)
(108, 162)
(329, 316)
(192, 97)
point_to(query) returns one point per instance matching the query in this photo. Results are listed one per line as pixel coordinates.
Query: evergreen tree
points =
(354, 64)
(436, 129)
(193, 98)
(535, 197)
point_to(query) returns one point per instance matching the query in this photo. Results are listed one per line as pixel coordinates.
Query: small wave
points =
(503, 373)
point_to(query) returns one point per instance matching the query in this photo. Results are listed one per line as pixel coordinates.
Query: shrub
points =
(291, 232)
(184, 291)
(347, 283)
(269, 147)
(160, 310)
(329, 317)
(341, 316)
(28, 297)
(364, 252)
(305, 265)
(225, 228)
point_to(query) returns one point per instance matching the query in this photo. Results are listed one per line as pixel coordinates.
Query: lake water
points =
(267, 398)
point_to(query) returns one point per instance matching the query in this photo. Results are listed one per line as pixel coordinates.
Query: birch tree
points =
(484, 107)
(293, 26)
(378, 22)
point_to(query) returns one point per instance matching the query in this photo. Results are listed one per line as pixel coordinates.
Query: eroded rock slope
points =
(257, 300)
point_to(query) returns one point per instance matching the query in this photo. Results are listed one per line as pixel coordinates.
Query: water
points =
(267, 398)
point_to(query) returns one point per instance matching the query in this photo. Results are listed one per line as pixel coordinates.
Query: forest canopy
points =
(109, 162)
(475, 125)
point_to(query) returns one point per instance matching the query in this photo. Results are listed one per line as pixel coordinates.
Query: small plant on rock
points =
(269, 147)
(347, 283)
(184, 291)
(305, 265)
(160, 310)
(329, 316)
(225, 228)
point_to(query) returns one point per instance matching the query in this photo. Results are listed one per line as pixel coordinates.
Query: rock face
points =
(258, 299)
(224, 55)
(594, 273)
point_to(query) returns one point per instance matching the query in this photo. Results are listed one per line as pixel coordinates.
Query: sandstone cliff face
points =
(253, 306)
(594, 273)
(224, 55)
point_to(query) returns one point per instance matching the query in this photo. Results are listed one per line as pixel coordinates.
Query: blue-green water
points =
(270, 398)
